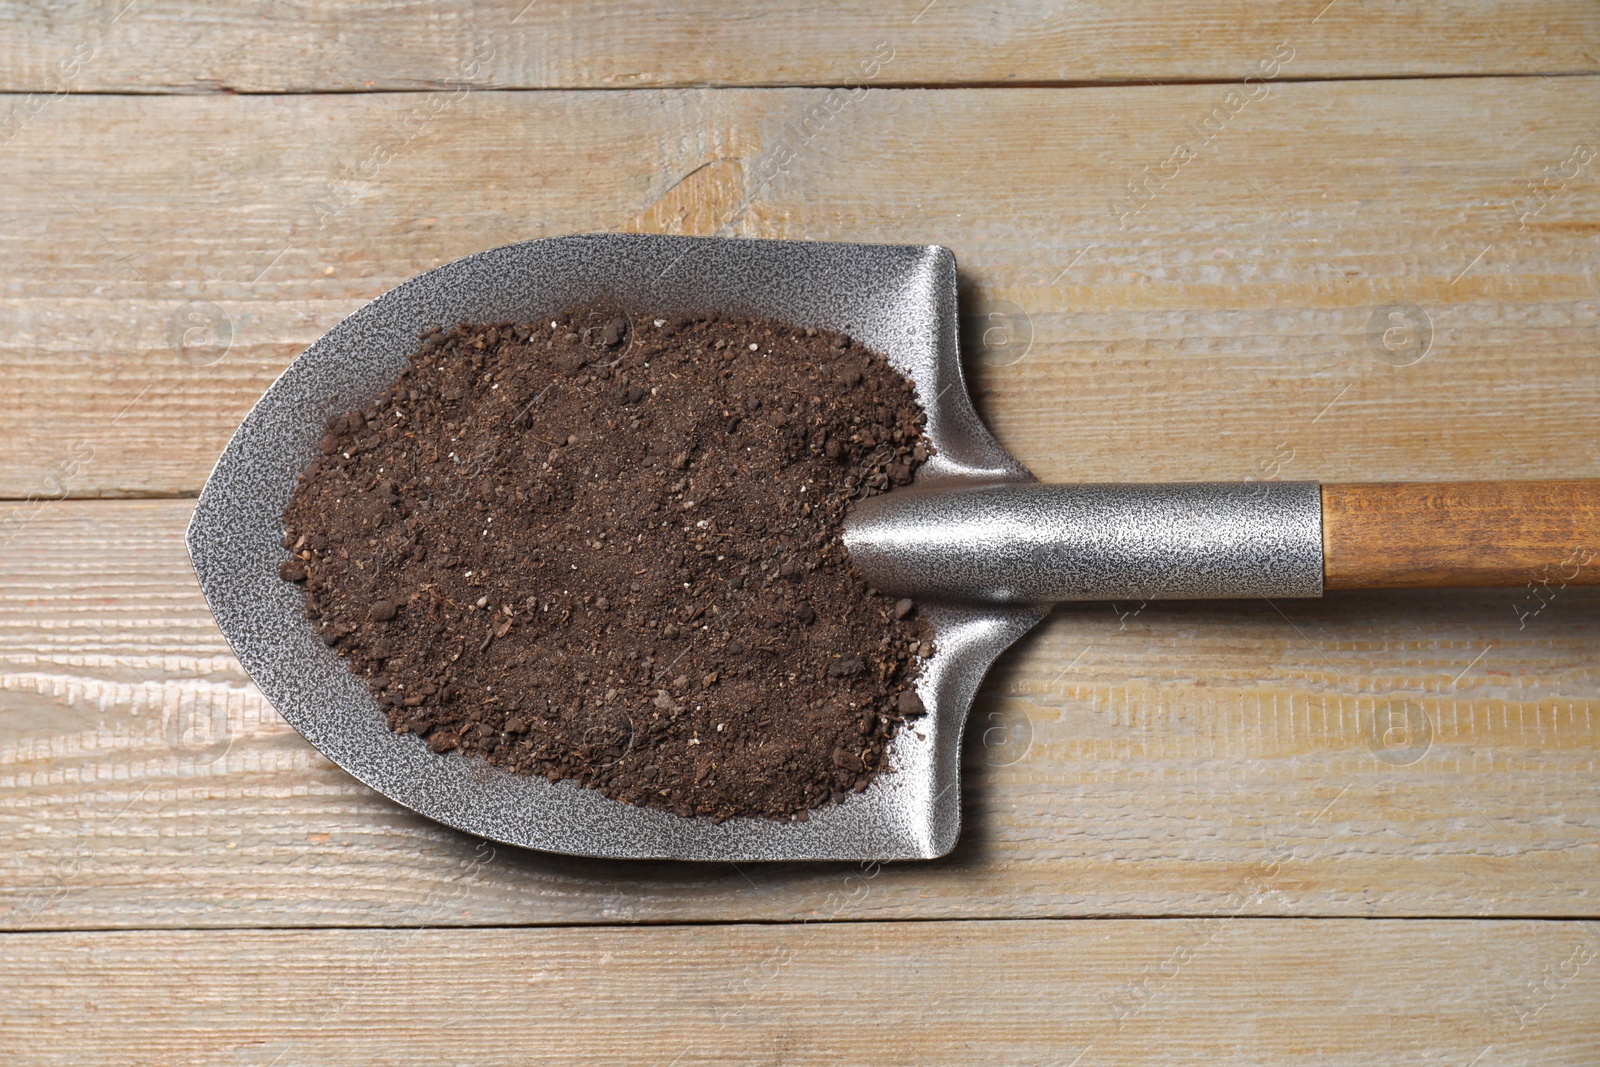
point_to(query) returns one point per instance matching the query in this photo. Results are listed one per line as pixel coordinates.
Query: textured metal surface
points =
(1021, 543)
(899, 300)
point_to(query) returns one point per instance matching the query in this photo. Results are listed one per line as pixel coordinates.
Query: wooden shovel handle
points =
(1437, 534)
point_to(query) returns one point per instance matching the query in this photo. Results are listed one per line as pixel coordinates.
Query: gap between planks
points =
(876, 86)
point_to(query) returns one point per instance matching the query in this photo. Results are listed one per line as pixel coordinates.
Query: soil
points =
(606, 547)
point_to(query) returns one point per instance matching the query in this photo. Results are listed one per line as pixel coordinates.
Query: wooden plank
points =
(1334, 993)
(1398, 754)
(1228, 321)
(287, 46)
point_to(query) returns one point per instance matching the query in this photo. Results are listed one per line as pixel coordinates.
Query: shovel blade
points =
(898, 300)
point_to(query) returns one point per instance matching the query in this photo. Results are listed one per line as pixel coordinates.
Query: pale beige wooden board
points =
(1183, 759)
(1330, 993)
(1225, 331)
(1221, 761)
(301, 45)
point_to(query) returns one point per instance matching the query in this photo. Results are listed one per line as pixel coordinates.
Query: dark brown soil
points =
(607, 548)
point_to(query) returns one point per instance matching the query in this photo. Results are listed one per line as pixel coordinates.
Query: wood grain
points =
(1385, 754)
(1233, 328)
(337, 46)
(1346, 281)
(1541, 535)
(1335, 993)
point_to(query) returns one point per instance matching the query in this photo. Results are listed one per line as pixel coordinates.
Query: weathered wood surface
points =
(1405, 754)
(302, 45)
(1351, 281)
(1333, 993)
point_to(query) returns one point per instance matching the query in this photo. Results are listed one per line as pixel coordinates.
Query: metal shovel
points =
(983, 546)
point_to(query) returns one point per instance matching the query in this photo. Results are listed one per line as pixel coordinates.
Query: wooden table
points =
(1340, 241)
